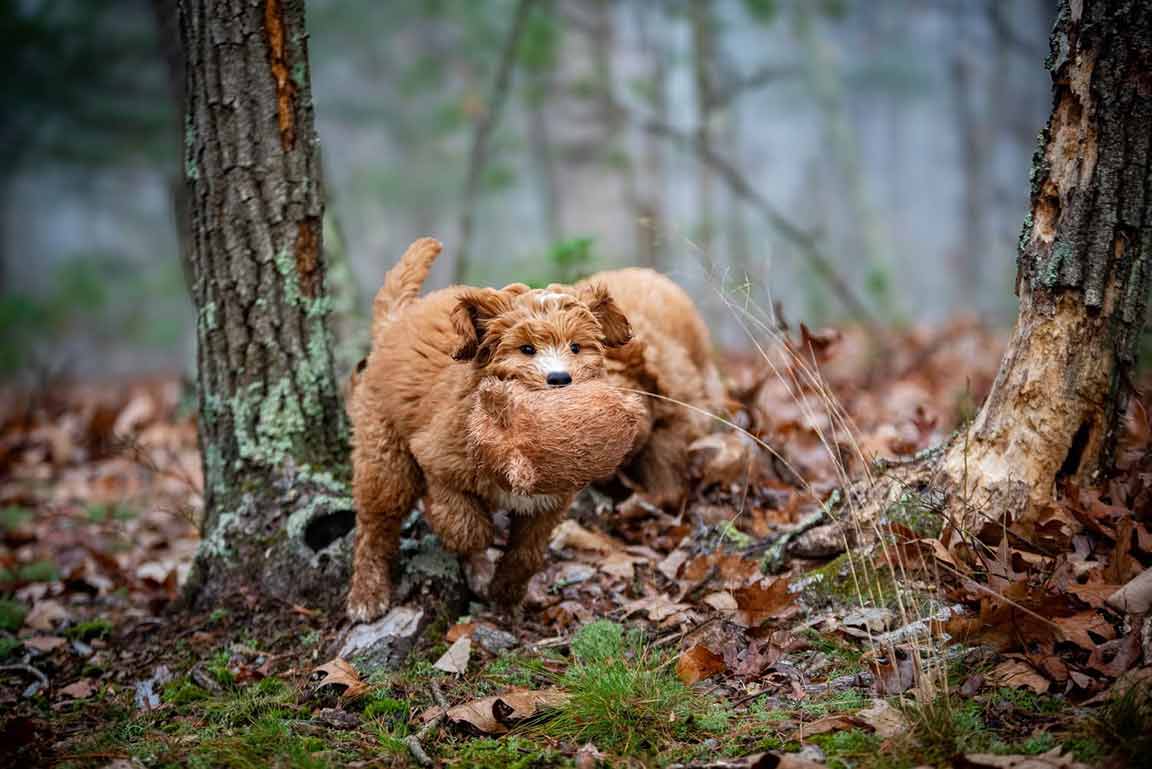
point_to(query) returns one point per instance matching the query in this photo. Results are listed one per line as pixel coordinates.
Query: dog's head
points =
(543, 338)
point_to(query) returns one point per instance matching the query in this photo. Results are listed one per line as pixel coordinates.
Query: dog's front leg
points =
(458, 518)
(526, 551)
(386, 484)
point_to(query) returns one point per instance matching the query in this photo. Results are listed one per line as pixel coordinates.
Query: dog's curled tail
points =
(402, 283)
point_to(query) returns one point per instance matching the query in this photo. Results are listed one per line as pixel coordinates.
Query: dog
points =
(410, 405)
(411, 399)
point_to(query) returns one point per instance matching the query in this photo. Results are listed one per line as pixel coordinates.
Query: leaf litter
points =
(762, 589)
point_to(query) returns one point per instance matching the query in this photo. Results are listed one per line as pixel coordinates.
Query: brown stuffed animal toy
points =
(554, 441)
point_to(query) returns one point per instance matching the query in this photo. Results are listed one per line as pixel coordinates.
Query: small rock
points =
(383, 644)
(811, 753)
(869, 620)
(493, 639)
(337, 718)
(820, 542)
(147, 696)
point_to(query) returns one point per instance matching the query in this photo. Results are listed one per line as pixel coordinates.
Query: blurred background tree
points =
(847, 157)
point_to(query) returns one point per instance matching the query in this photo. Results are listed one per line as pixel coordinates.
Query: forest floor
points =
(737, 633)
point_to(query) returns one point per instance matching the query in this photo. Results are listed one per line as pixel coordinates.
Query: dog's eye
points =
(528, 349)
(575, 348)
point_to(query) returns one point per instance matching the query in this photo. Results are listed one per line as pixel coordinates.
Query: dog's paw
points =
(367, 608)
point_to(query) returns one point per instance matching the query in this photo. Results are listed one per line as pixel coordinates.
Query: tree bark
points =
(273, 432)
(1054, 412)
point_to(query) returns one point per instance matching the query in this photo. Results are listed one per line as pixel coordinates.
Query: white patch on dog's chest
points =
(529, 504)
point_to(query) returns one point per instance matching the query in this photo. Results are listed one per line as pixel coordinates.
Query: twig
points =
(28, 670)
(485, 123)
(414, 741)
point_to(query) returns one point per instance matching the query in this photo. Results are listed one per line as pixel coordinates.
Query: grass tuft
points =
(89, 629)
(624, 696)
(1125, 721)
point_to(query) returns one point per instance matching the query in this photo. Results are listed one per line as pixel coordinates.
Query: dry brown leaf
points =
(699, 663)
(339, 672)
(721, 601)
(756, 604)
(497, 715)
(1081, 627)
(1135, 597)
(455, 660)
(79, 690)
(659, 607)
(830, 724)
(459, 630)
(670, 566)
(44, 643)
(571, 534)
(884, 719)
(1017, 674)
(46, 614)
(621, 564)
(896, 672)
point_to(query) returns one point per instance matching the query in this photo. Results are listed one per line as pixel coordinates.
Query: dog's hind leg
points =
(526, 552)
(458, 518)
(661, 468)
(386, 484)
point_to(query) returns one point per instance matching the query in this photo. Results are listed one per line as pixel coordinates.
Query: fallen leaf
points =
(497, 715)
(45, 615)
(659, 607)
(571, 534)
(455, 660)
(670, 566)
(459, 630)
(339, 672)
(884, 719)
(79, 690)
(620, 564)
(44, 643)
(895, 672)
(756, 604)
(1081, 627)
(830, 724)
(1017, 674)
(721, 601)
(699, 663)
(1136, 596)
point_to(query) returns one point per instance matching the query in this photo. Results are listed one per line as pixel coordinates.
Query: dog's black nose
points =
(559, 378)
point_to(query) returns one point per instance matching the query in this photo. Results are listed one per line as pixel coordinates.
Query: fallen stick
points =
(415, 741)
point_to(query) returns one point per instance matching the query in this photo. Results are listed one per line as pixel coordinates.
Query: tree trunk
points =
(1055, 409)
(273, 432)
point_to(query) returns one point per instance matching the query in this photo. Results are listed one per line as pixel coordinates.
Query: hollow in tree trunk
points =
(1055, 409)
(273, 432)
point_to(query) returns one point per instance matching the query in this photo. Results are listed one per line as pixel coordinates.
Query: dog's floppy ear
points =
(471, 316)
(614, 325)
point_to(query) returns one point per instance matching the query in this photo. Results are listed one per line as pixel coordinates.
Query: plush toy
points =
(554, 441)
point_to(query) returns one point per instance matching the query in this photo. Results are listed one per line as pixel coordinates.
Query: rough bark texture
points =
(273, 431)
(1082, 273)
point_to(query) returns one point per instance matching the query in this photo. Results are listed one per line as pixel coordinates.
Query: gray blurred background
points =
(747, 146)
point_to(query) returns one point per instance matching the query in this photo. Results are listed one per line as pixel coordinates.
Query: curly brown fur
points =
(413, 400)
